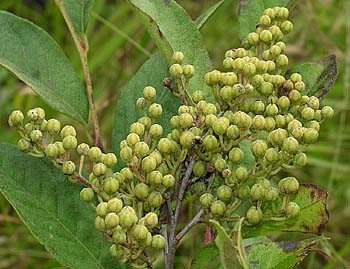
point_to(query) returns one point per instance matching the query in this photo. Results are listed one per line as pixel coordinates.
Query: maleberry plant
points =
(225, 151)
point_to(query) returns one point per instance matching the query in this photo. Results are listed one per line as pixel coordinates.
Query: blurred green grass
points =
(321, 28)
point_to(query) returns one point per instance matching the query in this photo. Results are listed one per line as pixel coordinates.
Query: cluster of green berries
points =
(261, 121)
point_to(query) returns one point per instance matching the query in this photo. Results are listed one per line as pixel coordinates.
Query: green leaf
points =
(313, 217)
(34, 57)
(79, 12)
(202, 19)
(277, 255)
(225, 245)
(249, 158)
(152, 72)
(50, 206)
(251, 10)
(319, 77)
(207, 257)
(173, 30)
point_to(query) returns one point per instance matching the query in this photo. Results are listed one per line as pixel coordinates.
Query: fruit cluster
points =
(225, 150)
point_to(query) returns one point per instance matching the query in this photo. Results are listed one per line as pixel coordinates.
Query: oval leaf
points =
(207, 257)
(319, 77)
(173, 30)
(33, 56)
(152, 72)
(78, 12)
(51, 208)
(251, 10)
(313, 217)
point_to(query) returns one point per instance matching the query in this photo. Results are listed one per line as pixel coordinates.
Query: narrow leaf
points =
(50, 207)
(228, 255)
(277, 255)
(34, 57)
(207, 257)
(202, 19)
(152, 72)
(173, 30)
(78, 12)
(251, 10)
(319, 77)
(313, 217)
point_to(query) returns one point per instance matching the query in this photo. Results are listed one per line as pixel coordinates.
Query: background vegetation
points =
(119, 45)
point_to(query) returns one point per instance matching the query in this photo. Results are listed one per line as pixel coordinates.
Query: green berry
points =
(224, 193)
(127, 217)
(149, 92)
(272, 155)
(287, 27)
(100, 223)
(148, 164)
(176, 70)
(156, 131)
(220, 126)
(259, 148)
(307, 113)
(36, 136)
(300, 159)
(282, 60)
(158, 241)
(168, 181)
(114, 205)
(236, 155)
(111, 185)
(254, 215)
(266, 88)
(70, 142)
(101, 209)
(253, 39)
(288, 185)
(99, 169)
(155, 199)
(265, 21)
(299, 86)
(188, 71)
(16, 118)
(68, 130)
(137, 128)
(210, 142)
(186, 120)
(249, 70)
(257, 192)
(126, 154)
(241, 174)
(293, 210)
(111, 220)
(53, 126)
(132, 139)
(146, 121)
(197, 96)
(68, 167)
(199, 169)
(178, 57)
(95, 154)
(232, 132)
(110, 159)
(220, 164)
(155, 178)
(141, 191)
(266, 36)
(127, 173)
(186, 139)
(83, 149)
(141, 103)
(270, 124)
(24, 145)
(87, 195)
(327, 112)
(164, 145)
(206, 199)
(155, 110)
(290, 145)
(310, 135)
(271, 194)
(119, 237)
(218, 208)
(151, 220)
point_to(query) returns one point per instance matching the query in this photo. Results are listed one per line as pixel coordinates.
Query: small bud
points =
(253, 39)
(307, 113)
(132, 139)
(241, 174)
(168, 181)
(271, 194)
(16, 118)
(288, 185)
(95, 154)
(151, 220)
(99, 169)
(224, 193)
(158, 241)
(100, 223)
(178, 57)
(293, 210)
(259, 148)
(155, 199)
(254, 215)
(206, 199)
(149, 93)
(87, 195)
(327, 112)
(290, 145)
(266, 36)
(83, 149)
(257, 192)
(68, 130)
(23, 145)
(148, 164)
(218, 208)
(210, 142)
(186, 139)
(141, 103)
(68, 167)
(141, 191)
(272, 155)
(310, 135)
(111, 185)
(236, 155)
(126, 154)
(164, 145)
(101, 209)
(127, 217)
(155, 178)
(70, 142)
(282, 60)
(111, 220)
(114, 205)
(287, 27)
(156, 131)
(36, 135)
(188, 71)
(176, 70)
(155, 110)
(53, 126)
(119, 237)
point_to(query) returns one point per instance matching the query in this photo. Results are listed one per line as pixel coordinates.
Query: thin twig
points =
(189, 226)
(164, 233)
(82, 47)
